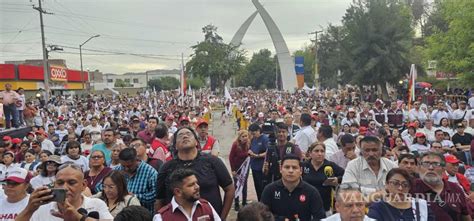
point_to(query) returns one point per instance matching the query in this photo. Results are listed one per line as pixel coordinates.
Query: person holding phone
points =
(73, 207)
(323, 174)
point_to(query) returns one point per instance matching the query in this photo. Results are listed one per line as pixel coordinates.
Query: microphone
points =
(94, 214)
(328, 171)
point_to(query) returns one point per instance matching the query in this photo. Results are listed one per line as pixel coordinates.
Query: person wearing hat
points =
(208, 144)
(169, 121)
(461, 140)
(8, 164)
(452, 173)
(46, 144)
(351, 118)
(184, 121)
(7, 143)
(15, 189)
(420, 144)
(49, 168)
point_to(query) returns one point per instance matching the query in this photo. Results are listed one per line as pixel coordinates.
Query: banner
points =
(411, 85)
(299, 69)
(242, 174)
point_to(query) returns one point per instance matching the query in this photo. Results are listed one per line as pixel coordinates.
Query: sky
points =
(140, 35)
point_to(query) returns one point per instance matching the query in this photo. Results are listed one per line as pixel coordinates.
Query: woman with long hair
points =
(397, 204)
(420, 144)
(444, 126)
(47, 174)
(115, 193)
(30, 163)
(237, 156)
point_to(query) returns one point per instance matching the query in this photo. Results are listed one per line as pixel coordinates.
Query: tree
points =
(164, 83)
(121, 83)
(453, 48)
(215, 60)
(378, 39)
(260, 71)
(332, 56)
(196, 83)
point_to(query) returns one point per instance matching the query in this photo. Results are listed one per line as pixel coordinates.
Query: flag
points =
(242, 173)
(183, 77)
(411, 85)
(227, 94)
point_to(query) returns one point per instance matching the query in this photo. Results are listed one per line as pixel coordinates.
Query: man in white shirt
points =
(306, 136)
(186, 203)
(462, 112)
(16, 199)
(325, 136)
(370, 170)
(440, 113)
(350, 204)
(429, 130)
(46, 144)
(71, 178)
(416, 113)
(471, 101)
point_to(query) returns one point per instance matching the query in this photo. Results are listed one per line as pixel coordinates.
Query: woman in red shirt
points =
(237, 156)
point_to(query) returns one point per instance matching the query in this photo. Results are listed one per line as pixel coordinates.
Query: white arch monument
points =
(286, 63)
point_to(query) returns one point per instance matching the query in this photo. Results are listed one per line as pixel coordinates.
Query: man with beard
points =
(446, 199)
(187, 203)
(369, 170)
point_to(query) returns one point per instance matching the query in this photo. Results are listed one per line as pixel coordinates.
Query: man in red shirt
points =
(159, 146)
(148, 135)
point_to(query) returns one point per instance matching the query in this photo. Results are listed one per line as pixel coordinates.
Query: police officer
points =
(291, 198)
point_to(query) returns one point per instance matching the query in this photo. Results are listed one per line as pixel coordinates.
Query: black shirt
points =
(463, 140)
(210, 171)
(304, 202)
(317, 178)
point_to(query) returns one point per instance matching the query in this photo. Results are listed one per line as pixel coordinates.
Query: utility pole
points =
(80, 56)
(45, 53)
(316, 66)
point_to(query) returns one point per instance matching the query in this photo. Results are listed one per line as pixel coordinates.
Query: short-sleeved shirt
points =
(304, 201)
(9, 97)
(211, 174)
(89, 204)
(258, 145)
(105, 150)
(450, 205)
(9, 211)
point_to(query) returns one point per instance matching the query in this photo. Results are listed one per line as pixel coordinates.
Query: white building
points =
(139, 80)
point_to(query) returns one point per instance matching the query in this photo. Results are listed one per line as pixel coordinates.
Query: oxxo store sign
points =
(58, 74)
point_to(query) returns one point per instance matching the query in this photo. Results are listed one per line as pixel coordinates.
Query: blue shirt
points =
(143, 184)
(103, 148)
(258, 145)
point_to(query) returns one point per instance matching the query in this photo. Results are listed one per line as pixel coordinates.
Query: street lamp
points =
(80, 55)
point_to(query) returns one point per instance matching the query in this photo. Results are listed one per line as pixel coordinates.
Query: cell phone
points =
(59, 195)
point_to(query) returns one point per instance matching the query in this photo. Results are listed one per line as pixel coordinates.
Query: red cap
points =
(19, 175)
(420, 134)
(183, 118)
(40, 132)
(200, 122)
(16, 140)
(451, 159)
(7, 138)
(338, 107)
(412, 125)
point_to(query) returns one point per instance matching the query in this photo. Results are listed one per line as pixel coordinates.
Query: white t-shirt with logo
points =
(39, 181)
(89, 204)
(9, 211)
(82, 161)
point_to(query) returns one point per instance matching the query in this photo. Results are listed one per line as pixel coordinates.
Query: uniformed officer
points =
(291, 198)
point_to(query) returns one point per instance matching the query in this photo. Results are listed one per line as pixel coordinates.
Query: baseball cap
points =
(54, 158)
(183, 118)
(16, 140)
(19, 175)
(460, 125)
(7, 138)
(40, 132)
(200, 122)
(451, 159)
(420, 134)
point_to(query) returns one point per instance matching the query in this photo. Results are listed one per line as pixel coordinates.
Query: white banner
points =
(242, 174)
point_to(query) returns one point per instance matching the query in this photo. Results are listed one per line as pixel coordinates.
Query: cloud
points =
(141, 67)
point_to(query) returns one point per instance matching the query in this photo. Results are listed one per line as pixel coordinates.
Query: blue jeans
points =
(11, 115)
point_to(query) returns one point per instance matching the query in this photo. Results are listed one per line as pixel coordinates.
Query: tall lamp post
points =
(80, 55)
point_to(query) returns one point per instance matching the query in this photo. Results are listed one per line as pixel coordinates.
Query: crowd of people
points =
(328, 155)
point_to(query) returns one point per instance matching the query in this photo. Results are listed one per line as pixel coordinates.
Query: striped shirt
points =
(143, 184)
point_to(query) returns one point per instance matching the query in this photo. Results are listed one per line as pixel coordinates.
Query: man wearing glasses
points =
(75, 207)
(446, 199)
(350, 204)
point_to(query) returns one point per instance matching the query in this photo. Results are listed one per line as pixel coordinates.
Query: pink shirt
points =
(9, 97)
